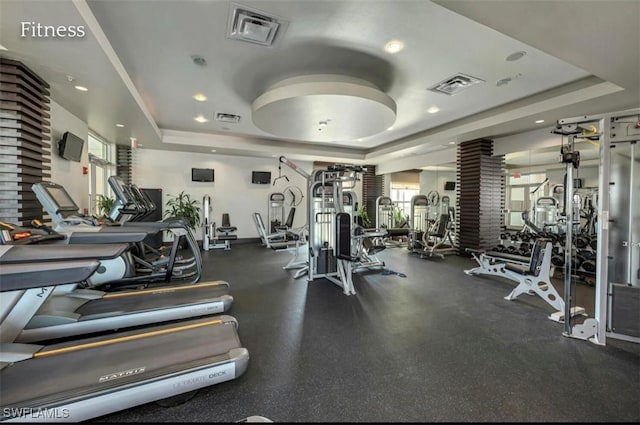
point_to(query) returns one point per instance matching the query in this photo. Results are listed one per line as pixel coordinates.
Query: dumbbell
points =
(594, 243)
(557, 260)
(586, 254)
(582, 241)
(589, 266)
(526, 252)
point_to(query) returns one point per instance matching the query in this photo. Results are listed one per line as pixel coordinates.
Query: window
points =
(404, 185)
(401, 195)
(100, 169)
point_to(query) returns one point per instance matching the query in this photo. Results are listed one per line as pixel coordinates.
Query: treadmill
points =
(46, 313)
(64, 212)
(85, 378)
(131, 207)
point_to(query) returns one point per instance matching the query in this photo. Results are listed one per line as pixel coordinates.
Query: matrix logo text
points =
(37, 30)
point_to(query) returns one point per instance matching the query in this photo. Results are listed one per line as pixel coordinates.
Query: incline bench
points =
(531, 273)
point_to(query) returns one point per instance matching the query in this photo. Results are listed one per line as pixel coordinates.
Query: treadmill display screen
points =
(118, 187)
(61, 198)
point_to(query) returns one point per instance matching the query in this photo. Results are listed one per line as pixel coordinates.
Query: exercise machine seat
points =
(226, 228)
(367, 242)
(443, 223)
(289, 223)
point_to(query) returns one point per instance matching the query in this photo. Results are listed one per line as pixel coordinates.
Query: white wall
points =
(435, 180)
(232, 191)
(64, 172)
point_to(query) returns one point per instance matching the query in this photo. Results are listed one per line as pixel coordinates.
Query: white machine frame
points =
(611, 129)
(501, 265)
(211, 240)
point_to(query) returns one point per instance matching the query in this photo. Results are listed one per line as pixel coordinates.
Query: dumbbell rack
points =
(584, 257)
(584, 267)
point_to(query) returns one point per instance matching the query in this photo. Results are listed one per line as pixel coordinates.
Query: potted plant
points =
(181, 205)
(364, 217)
(399, 218)
(104, 204)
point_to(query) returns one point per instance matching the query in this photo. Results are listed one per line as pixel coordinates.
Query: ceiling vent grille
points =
(230, 118)
(253, 26)
(455, 84)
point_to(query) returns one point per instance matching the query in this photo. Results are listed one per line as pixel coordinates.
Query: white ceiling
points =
(582, 57)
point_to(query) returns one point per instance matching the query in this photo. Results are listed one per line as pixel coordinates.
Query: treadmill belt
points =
(136, 301)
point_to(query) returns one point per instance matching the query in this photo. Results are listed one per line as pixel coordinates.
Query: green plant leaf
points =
(181, 205)
(105, 204)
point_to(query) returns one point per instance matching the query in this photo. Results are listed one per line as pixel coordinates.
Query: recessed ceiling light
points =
(452, 143)
(515, 56)
(359, 140)
(390, 128)
(82, 88)
(120, 125)
(200, 118)
(213, 150)
(539, 121)
(433, 110)
(200, 97)
(394, 46)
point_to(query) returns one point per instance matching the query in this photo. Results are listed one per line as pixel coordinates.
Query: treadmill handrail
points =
(21, 254)
(16, 277)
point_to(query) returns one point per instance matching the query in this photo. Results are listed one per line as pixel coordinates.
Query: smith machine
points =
(617, 292)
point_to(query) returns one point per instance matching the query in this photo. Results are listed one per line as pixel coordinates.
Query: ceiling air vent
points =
(454, 85)
(253, 26)
(220, 116)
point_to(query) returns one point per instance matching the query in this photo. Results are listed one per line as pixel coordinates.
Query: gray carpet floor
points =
(434, 346)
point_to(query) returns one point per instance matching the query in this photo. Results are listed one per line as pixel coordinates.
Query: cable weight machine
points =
(618, 242)
(330, 238)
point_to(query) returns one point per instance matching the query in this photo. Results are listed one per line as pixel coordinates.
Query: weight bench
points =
(531, 273)
(395, 232)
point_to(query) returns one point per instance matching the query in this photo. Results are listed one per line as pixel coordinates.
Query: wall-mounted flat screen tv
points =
(202, 174)
(261, 177)
(70, 147)
(449, 185)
